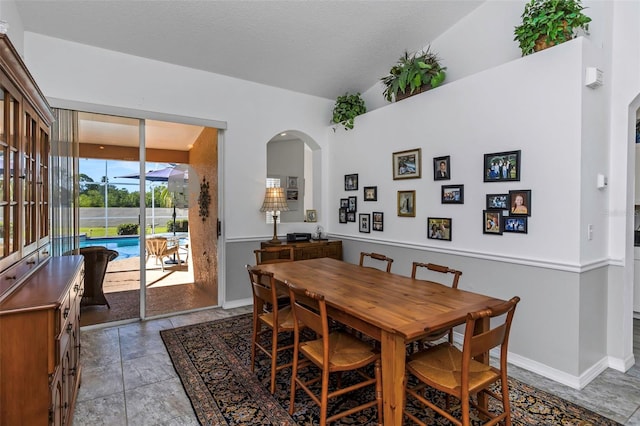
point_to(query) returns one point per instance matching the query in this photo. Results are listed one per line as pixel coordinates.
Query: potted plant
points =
(546, 23)
(413, 74)
(347, 108)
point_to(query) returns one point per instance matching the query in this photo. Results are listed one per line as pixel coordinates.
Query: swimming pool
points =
(125, 246)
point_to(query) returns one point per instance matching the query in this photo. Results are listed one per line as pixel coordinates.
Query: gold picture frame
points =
(407, 203)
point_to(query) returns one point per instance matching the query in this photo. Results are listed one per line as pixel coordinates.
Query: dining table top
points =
(391, 302)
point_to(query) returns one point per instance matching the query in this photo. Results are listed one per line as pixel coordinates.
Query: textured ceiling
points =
(323, 48)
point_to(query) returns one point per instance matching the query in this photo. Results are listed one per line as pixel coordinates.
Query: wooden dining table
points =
(393, 309)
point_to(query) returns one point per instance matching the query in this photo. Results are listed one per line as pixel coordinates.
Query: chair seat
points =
(345, 352)
(441, 365)
(285, 318)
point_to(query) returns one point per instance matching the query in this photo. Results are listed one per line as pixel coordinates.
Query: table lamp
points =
(274, 201)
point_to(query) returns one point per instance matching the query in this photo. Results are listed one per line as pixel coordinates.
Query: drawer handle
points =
(45, 252)
(10, 277)
(31, 262)
(69, 328)
(76, 288)
(65, 314)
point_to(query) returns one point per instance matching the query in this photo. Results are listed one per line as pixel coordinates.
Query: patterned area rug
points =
(213, 362)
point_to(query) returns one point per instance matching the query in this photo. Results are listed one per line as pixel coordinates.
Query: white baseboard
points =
(237, 303)
(622, 364)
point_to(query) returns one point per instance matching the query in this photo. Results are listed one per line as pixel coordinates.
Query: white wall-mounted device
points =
(601, 181)
(593, 77)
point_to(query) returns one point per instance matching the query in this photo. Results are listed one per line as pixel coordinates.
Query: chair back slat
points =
(274, 255)
(264, 288)
(375, 256)
(437, 268)
(495, 336)
(309, 309)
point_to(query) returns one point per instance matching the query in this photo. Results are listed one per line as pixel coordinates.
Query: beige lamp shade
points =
(274, 200)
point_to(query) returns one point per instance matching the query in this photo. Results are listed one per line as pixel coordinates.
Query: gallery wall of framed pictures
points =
(503, 212)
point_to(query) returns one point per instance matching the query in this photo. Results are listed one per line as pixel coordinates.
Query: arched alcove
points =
(293, 162)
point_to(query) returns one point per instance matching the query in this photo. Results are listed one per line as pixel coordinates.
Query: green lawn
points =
(112, 231)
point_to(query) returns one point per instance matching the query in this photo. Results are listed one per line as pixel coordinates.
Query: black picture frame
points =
(377, 221)
(342, 215)
(494, 166)
(515, 224)
(520, 202)
(351, 216)
(364, 221)
(344, 203)
(442, 168)
(370, 193)
(452, 194)
(351, 182)
(492, 222)
(497, 202)
(352, 206)
(439, 228)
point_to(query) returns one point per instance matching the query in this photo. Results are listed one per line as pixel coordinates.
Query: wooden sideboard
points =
(311, 249)
(40, 345)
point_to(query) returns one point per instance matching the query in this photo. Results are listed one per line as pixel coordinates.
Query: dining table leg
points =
(393, 355)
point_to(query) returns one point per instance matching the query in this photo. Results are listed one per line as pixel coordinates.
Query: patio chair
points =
(159, 248)
(96, 259)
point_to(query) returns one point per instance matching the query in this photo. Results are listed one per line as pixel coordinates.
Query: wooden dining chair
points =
(274, 255)
(374, 257)
(456, 278)
(266, 313)
(457, 373)
(333, 352)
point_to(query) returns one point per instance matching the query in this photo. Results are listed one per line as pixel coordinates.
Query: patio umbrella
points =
(176, 176)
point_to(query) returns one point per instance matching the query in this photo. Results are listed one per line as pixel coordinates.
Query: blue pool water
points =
(125, 246)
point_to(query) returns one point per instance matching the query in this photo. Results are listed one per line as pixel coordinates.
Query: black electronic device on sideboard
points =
(298, 236)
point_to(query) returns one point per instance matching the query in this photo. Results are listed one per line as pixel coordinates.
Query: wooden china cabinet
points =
(39, 294)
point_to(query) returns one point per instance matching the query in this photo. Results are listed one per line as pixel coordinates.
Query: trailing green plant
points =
(347, 108)
(546, 23)
(413, 74)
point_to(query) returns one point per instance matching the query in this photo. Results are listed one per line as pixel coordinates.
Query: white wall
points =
(502, 109)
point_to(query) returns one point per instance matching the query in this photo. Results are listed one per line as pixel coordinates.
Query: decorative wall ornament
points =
(204, 199)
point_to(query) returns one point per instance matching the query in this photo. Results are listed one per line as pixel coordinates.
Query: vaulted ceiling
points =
(319, 47)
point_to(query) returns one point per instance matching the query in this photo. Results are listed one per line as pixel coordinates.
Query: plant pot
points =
(542, 43)
(400, 96)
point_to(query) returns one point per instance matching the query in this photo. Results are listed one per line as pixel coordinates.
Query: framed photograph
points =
(407, 164)
(351, 182)
(378, 221)
(351, 216)
(492, 222)
(311, 216)
(407, 203)
(292, 182)
(441, 168)
(439, 228)
(365, 222)
(352, 204)
(344, 203)
(502, 166)
(517, 224)
(371, 193)
(520, 202)
(292, 195)
(342, 215)
(497, 201)
(452, 194)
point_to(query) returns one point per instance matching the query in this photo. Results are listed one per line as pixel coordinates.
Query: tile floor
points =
(128, 378)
